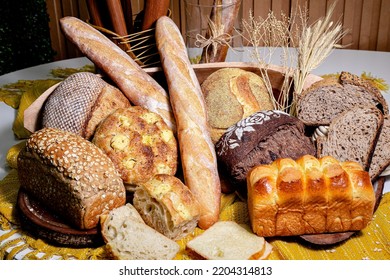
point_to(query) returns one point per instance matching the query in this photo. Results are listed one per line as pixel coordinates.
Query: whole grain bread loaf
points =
(80, 102)
(260, 139)
(70, 176)
(381, 156)
(352, 135)
(327, 98)
(232, 94)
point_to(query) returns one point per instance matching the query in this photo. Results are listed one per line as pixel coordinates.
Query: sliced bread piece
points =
(127, 237)
(326, 99)
(227, 240)
(381, 157)
(352, 135)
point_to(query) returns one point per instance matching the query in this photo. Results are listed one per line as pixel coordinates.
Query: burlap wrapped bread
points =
(309, 196)
(70, 176)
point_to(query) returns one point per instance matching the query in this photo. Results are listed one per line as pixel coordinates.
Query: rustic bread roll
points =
(167, 205)
(80, 102)
(260, 139)
(198, 158)
(309, 196)
(139, 87)
(324, 100)
(139, 143)
(232, 94)
(70, 176)
(127, 237)
(227, 240)
(381, 157)
(352, 135)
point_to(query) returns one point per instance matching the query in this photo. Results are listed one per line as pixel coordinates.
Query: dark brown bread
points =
(260, 139)
(352, 135)
(326, 99)
(381, 157)
(70, 176)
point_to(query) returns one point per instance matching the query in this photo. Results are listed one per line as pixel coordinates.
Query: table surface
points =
(354, 61)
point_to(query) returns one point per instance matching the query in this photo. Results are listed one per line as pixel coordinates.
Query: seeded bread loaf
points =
(139, 143)
(80, 102)
(232, 94)
(352, 135)
(127, 237)
(381, 156)
(260, 139)
(309, 196)
(327, 98)
(70, 176)
(167, 205)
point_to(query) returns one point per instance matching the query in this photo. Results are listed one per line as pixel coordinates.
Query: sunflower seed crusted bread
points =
(80, 102)
(70, 176)
(381, 157)
(352, 135)
(327, 98)
(127, 237)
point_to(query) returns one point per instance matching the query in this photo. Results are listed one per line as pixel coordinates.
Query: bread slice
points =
(352, 136)
(127, 237)
(381, 157)
(324, 100)
(227, 240)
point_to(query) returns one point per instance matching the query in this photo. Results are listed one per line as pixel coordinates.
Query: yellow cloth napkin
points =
(371, 243)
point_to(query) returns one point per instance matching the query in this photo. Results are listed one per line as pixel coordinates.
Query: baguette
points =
(131, 79)
(197, 151)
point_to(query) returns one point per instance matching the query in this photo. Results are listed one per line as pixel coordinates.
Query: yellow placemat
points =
(371, 243)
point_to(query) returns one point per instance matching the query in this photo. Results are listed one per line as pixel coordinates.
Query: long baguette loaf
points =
(309, 196)
(132, 80)
(196, 148)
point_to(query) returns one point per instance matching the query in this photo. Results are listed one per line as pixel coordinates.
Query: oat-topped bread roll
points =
(352, 135)
(70, 176)
(232, 94)
(80, 102)
(167, 205)
(259, 139)
(309, 196)
(327, 98)
(139, 143)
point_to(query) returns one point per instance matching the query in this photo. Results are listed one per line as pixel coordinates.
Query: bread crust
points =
(197, 151)
(309, 196)
(139, 87)
(70, 176)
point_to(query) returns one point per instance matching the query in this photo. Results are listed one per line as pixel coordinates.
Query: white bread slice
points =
(127, 237)
(227, 240)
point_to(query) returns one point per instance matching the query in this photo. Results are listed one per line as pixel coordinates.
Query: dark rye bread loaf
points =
(352, 135)
(70, 177)
(260, 139)
(381, 157)
(327, 98)
(80, 102)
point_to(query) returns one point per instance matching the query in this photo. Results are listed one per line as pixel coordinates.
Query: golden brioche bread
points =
(309, 196)
(232, 94)
(139, 143)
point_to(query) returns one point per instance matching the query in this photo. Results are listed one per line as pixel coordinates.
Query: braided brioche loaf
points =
(309, 196)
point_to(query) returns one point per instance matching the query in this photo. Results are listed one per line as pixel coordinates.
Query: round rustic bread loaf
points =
(232, 94)
(80, 102)
(260, 139)
(139, 143)
(70, 176)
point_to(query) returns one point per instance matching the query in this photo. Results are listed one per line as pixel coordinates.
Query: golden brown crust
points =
(309, 196)
(139, 143)
(70, 176)
(232, 94)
